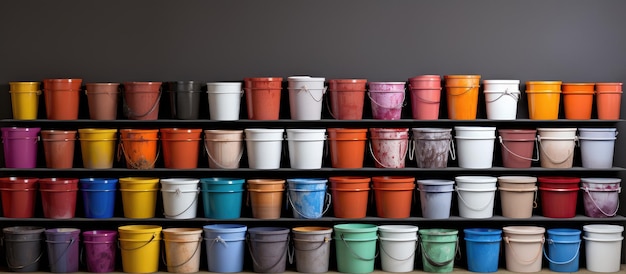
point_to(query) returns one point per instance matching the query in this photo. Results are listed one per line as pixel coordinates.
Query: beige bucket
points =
(556, 147)
(224, 148)
(182, 249)
(518, 196)
(523, 248)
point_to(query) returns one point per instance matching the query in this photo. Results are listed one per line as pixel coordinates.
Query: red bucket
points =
(558, 196)
(58, 197)
(18, 196)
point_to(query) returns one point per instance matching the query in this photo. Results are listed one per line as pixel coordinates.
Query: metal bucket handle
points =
(178, 192)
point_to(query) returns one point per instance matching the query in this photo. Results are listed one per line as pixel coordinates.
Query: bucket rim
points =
(558, 180)
(268, 230)
(99, 233)
(225, 228)
(58, 131)
(266, 181)
(386, 129)
(138, 130)
(435, 182)
(524, 230)
(142, 83)
(263, 79)
(181, 231)
(430, 130)
(348, 81)
(483, 231)
(312, 230)
(476, 179)
(18, 180)
(360, 179)
(179, 181)
(544, 82)
(603, 228)
(597, 129)
(438, 232)
(21, 129)
(305, 130)
(96, 130)
(92, 180)
(306, 181)
(425, 77)
(23, 230)
(461, 76)
(305, 78)
(387, 83)
(395, 178)
(517, 131)
(542, 91)
(264, 130)
(222, 181)
(578, 83)
(63, 80)
(398, 228)
(501, 81)
(25, 83)
(598, 180)
(355, 227)
(474, 128)
(102, 84)
(58, 180)
(338, 129)
(180, 130)
(517, 179)
(609, 84)
(564, 232)
(224, 84)
(139, 229)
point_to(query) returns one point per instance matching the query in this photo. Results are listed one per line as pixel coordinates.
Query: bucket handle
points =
(178, 192)
(129, 112)
(515, 95)
(139, 247)
(23, 266)
(306, 89)
(466, 91)
(400, 105)
(394, 258)
(586, 189)
(520, 156)
(432, 262)
(425, 100)
(381, 164)
(451, 149)
(326, 197)
(524, 262)
(458, 194)
(254, 259)
(121, 150)
(548, 156)
(198, 247)
(330, 110)
(291, 252)
(64, 251)
(550, 241)
(354, 253)
(206, 149)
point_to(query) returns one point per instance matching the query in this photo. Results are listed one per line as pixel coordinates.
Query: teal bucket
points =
(355, 246)
(308, 198)
(222, 197)
(439, 247)
(483, 249)
(563, 249)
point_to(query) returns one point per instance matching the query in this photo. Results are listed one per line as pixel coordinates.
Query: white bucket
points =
(474, 146)
(180, 197)
(501, 97)
(264, 146)
(224, 100)
(603, 247)
(224, 148)
(597, 146)
(476, 203)
(556, 147)
(306, 148)
(476, 182)
(398, 244)
(305, 97)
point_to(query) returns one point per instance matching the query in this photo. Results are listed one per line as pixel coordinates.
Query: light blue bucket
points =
(563, 249)
(307, 198)
(222, 197)
(483, 249)
(225, 246)
(435, 198)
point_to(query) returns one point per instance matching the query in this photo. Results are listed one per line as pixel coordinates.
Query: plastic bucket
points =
(266, 197)
(222, 197)
(476, 203)
(305, 97)
(483, 249)
(98, 196)
(462, 96)
(597, 146)
(501, 97)
(23, 249)
(393, 196)
(311, 246)
(139, 245)
(306, 147)
(608, 100)
(61, 98)
(346, 98)
(556, 147)
(139, 147)
(263, 97)
(141, 100)
(347, 147)
(517, 147)
(185, 99)
(63, 249)
(355, 247)
(578, 100)
(389, 146)
(264, 147)
(182, 249)
(518, 196)
(425, 96)
(225, 246)
(58, 197)
(563, 249)
(20, 146)
(18, 196)
(100, 250)
(349, 196)
(398, 244)
(102, 100)
(543, 99)
(439, 247)
(97, 147)
(601, 196)
(224, 148)
(435, 198)
(268, 248)
(24, 100)
(58, 146)
(180, 197)
(139, 196)
(523, 247)
(474, 146)
(559, 196)
(603, 246)
(224, 100)
(308, 197)
(387, 100)
(432, 146)
(180, 147)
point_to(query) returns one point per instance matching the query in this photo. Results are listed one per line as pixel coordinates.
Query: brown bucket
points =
(102, 100)
(58, 147)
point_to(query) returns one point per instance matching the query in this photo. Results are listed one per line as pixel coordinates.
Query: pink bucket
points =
(425, 96)
(20, 147)
(389, 146)
(387, 99)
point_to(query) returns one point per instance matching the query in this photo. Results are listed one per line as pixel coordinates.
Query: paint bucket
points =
(58, 197)
(425, 96)
(389, 146)
(435, 198)
(263, 97)
(139, 196)
(97, 147)
(306, 147)
(462, 96)
(182, 249)
(224, 100)
(58, 146)
(347, 147)
(63, 249)
(308, 197)
(139, 147)
(100, 250)
(556, 147)
(266, 197)
(268, 248)
(608, 100)
(139, 245)
(387, 100)
(558, 196)
(523, 247)
(349, 196)
(476, 195)
(225, 246)
(346, 98)
(61, 98)
(18, 196)
(180, 197)
(393, 196)
(518, 196)
(222, 197)
(24, 100)
(517, 147)
(98, 197)
(23, 247)
(355, 246)
(102, 100)
(543, 99)
(141, 100)
(432, 146)
(563, 249)
(185, 99)
(305, 97)
(439, 247)
(483, 249)
(398, 244)
(601, 196)
(264, 147)
(578, 100)
(474, 146)
(311, 246)
(224, 148)
(180, 147)
(20, 146)
(597, 146)
(603, 247)
(501, 97)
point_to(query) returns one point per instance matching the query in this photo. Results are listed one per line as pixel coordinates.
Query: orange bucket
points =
(139, 147)
(543, 99)
(347, 147)
(265, 196)
(180, 147)
(393, 196)
(608, 100)
(578, 100)
(350, 195)
(62, 97)
(263, 97)
(462, 96)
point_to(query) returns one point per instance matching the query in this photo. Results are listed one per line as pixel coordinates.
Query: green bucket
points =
(439, 247)
(355, 247)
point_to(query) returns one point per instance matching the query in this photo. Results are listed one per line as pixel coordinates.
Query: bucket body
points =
(222, 197)
(20, 147)
(435, 198)
(578, 100)
(389, 146)
(432, 146)
(18, 196)
(597, 146)
(556, 147)
(98, 196)
(387, 100)
(474, 146)
(100, 250)
(102, 100)
(518, 196)
(393, 196)
(563, 249)
(23, 247)
(308, 197)
(501, 97)
(62, 98)
(180, 197)
(523, 247)
(142, 100)
(185, 99)
(439, 247)
(24, 100)
(425, 96)
(476, 203)
(97, 147)
(306, 147)
(347, 147)
(601, 196)
(355, 247)
(346, 98)
(608, 100)
(462, 96)
(398, 244)
(225, 245)
(305, 97)
(263, 97)
(182, 249)
(58, 197)
(543, 99)
(559, 196)
(139, 196)
(180, 147)
(312, 248)
(350, 196)
(268, 248)
(58, 146)
(224, 100)
(63, 249)
(603, 245)
(139, 147)
(140, 249)
(518, 146)
(266, 197)
(264, 147)
(483, 249)
(224, 148)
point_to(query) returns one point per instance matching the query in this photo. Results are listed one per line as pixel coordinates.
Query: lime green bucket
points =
(355, 247)
(439, 247)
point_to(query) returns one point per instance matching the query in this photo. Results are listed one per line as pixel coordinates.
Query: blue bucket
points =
(307, 198)
(98, 196)
(435, 198)
(483, 249)
(222, 197)
(563, 249)
(225, 246)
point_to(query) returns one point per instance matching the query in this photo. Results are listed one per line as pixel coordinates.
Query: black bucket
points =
(23, 247)
(185, 99)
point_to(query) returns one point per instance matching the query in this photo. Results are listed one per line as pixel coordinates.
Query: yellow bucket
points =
(139, 196)
(139, 245)
(24, 100)
(543, 99)
(97, 147)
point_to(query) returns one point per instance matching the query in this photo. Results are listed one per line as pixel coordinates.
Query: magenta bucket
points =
(20, 146)
(100, 247)
(387, 100)
(601, 196)
(389, 146)
(425, 96)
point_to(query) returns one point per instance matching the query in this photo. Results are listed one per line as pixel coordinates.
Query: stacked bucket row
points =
(306, 95)
(356, 248)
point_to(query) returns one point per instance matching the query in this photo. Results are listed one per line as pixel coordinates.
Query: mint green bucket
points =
(355, 246)
(439, 247)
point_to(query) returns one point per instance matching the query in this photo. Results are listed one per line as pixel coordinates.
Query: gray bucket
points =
(268, 248)
(23, 247)
(312, 248)
(185, 99)
(432, 146)
(63, 249)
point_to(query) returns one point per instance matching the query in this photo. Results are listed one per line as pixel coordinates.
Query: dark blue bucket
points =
(563, 249)
(98, 196)
(222, 197)
(308, 197)
(225, 246)
(483, 249)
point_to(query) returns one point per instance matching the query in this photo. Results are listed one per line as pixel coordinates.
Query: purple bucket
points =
(601, 196)
(63, 249)
(20, 146)
(387, 100)
(100, 247)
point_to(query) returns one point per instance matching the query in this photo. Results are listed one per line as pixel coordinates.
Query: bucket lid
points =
(435, 182)
(558, 180)
(601, 180)
(524, 229)
(517, 179)
(603, 228)
(398, 228)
